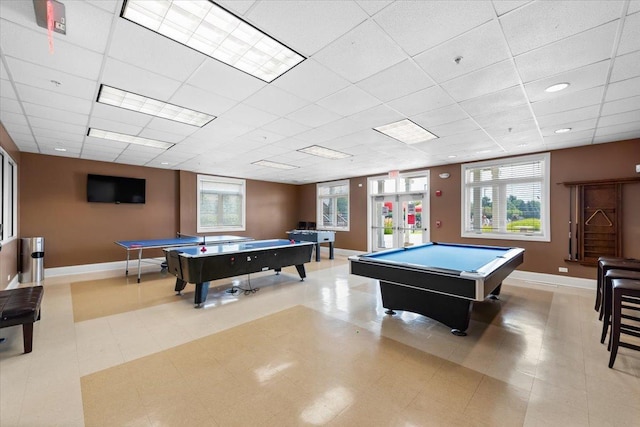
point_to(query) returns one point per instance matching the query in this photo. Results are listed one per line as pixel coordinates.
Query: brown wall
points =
(54, 206)
(53, 199)
(599, 161)
(9, 252)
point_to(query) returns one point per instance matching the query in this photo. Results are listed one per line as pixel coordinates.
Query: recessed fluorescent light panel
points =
(129, 139)
(206, 27)
(327, 153)
(131, 101)
(406, 131)
(275, 165)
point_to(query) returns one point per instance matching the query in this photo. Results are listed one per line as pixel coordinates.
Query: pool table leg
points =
(451, 311)
(202, 289)
(180, 285)
(494, 293)
(301, 271)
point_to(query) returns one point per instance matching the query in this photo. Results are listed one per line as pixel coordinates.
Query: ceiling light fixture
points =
(406, 131)
(212, 30)
(129, 139)
(563, 130)
(557, 87)
(327, 153)
(60, 149)
(131, 101)
(275, 165)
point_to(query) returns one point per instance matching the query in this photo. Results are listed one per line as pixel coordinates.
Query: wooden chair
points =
(626, 295)
(607, 306)
(605, 264)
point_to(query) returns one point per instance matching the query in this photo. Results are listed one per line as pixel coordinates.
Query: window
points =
(333, 205)
(9, 202)
(507, 199)
(221, 204)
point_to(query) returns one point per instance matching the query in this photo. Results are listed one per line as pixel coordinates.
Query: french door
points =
(399, 221)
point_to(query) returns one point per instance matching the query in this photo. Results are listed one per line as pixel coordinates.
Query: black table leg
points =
(202, 289)
(317, 252)
(330, 250)
(301, 271)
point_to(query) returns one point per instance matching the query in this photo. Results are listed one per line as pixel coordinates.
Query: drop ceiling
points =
(473, 73)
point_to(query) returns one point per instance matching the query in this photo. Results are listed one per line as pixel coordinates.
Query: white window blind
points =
(507, 199)
(221, 204)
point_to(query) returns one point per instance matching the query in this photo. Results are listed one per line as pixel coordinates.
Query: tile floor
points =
(318, 352)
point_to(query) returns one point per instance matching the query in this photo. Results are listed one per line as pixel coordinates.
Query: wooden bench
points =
(21, 306)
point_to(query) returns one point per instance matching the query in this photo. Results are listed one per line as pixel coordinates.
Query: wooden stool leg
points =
(27, 336)
(616, 318)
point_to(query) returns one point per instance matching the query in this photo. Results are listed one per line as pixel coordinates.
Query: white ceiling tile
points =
(214, 76)
(373, 7)
(10, 105)
(478, 48)
(448, 129)
(630, 39)
(275, 100)
(626, 67)
(567, 54)
(440, 116)
(360, 53)
(249, 116)
(576, 127)
(193, 98)
(623, 89)
(612, 137)
(417, 26)
(313, 116)
(33, 46)
(108, 5)
(296, 81)
(6, 90)
(620, 119)
(285, 127)
(143, 48)
(543, 22)
(504, 6)
(399, 80)
(52, 80)
(110, 113)
(505, 119)
(34, 110)
(419, 102)
(581, 78)
(47, 124)
(221, 129)
(96, 122)
(306, 26)
(621, 105)
(495, 102)
(562, 118)
(239, 7)
(14, 118)
(377, 116)
(52, 133)
(171, 127)
(571, 101)
(138, 80)
(52, 99)
(17, 129)
(350, 100)
(491, 79)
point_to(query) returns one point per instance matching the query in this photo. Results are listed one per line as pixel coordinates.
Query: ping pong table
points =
(180, 240)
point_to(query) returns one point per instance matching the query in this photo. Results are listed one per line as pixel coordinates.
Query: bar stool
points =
(607, 295)
(624, 291)
(605, 264)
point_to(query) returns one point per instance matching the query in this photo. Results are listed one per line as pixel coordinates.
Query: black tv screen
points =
(115, 189)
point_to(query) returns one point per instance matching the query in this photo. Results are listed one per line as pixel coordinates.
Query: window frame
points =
(217, 179)
(545, 208)
(319, 203)
(9, 202)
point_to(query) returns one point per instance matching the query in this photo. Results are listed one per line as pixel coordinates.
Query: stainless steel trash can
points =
(32, 259)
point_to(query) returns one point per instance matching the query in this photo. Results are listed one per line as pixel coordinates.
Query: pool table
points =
(438, 280)
(201, 264)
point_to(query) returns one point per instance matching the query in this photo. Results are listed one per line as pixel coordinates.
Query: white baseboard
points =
(553, 279)
(148, 265)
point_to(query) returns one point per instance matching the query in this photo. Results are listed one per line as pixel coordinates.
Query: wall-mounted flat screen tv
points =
(115, 189)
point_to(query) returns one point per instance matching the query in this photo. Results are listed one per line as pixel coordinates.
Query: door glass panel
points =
(410, 227)
(383, 227)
